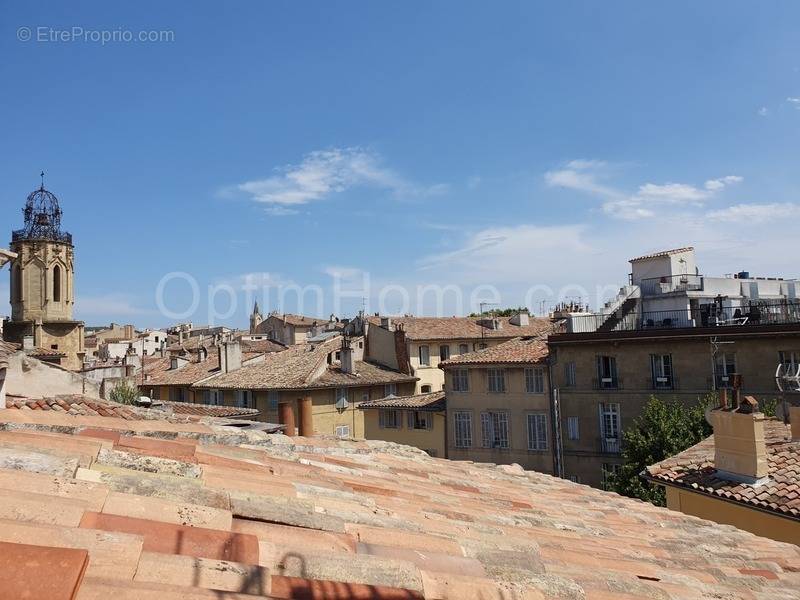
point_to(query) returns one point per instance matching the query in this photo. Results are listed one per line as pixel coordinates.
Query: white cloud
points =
(763, 111)
(323, 173)
(794, 102)
(754, 213)
(648, 201)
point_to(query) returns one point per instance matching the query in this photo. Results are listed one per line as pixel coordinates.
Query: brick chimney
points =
(740, 453)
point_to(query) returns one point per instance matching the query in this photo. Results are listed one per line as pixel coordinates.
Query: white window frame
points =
(607, 373)
(462, 429)
(537, 431)
(460, 379)
(534, 380)
(610, 420)
(463, 348)
(494, 430)
(342, 431)
(425, 355)
(662, 373)
(389, 389)
(496, 380)
(569, 374)
(573, 428)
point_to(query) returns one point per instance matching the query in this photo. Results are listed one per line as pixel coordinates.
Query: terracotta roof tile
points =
(433, 401)
(465, 328)
(324, 518)
(694, 469)
(520, 350)
(663, 253)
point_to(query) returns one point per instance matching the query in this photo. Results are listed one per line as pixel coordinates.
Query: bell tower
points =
(42, 282)
(255, 319)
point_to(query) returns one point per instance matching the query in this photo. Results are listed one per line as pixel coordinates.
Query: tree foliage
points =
(663, 429)
(124, 392)
(500, 312)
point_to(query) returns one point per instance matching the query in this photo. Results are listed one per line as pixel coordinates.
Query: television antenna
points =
(715, 344)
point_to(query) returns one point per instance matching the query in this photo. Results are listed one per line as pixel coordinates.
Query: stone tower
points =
(42, 288)
(255, 319)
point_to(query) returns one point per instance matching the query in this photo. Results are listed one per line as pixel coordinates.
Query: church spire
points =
(255, 309)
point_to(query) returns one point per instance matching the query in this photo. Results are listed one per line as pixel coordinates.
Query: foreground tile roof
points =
(465, 328)
(433, 402)
(209, 410)
(196, 511)
(694, 469)
(520, 350)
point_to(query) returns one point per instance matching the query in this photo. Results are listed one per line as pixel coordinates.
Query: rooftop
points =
(516, 351)
(304, 366)
(465, 328)
(158, 372)
(432, 401)
(152, 509)
(663, 253)
(694, 469)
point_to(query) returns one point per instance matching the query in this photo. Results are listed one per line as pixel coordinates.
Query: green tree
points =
(664, 429)
(500, 312)
(124, 392)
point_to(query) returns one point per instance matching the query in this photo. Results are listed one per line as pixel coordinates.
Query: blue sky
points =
(513, 144)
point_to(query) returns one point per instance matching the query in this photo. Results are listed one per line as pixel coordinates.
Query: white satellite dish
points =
(787, 377)
(342, 404)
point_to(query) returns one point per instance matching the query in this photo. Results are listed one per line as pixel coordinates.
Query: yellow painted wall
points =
(738, 515)
(424, 439)
(517, 402)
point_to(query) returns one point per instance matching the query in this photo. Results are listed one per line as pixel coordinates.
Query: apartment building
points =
(419, 420)
(498, 405)
(671, 333)
(289, 329)
(332, 372)
(418, 345)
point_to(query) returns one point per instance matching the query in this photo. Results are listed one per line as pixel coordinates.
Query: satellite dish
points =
(787, 378)
(342, 404)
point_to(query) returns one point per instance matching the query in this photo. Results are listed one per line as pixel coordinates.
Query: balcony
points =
(21, 235)
(610, 445)
(750, 313)
(607, 383)
(656, 286)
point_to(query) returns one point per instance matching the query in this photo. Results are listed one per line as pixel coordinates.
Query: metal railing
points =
(21, 235)
(666, 284)
(610, 445)
(749, 314)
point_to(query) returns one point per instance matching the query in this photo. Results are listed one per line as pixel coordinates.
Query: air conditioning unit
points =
(662, 379)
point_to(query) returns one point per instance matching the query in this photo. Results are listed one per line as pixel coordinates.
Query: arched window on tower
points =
(56, 284)
(16, 283)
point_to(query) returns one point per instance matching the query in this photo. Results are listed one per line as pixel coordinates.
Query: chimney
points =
(230, 356)
(27, 342)
(129, 332)
(740, 453)
(386, 323)
(794, 419)
(521, 319)
(180, 337)
(202, 354)
(347, 362)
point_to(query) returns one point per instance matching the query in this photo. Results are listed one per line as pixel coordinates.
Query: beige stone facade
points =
(602, 381)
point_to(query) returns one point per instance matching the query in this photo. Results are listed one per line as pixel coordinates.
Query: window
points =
(390, 389)
(177, 394)
(482, 346)
(388, 419)
(537, 431)
(569, 374)
(53, 346)
(424, 355)
(497, 380)
(460, 380)
(573, 428)
(534, 380)
(343, 431)
(494, 430)
(609, 470)
(463, 348)
(462, 422)
(155, 393)
(444, 352)
(790, 360)
(661, 368)
(56, 284)
(273, 397)
(425, 389)
(16, 283)
(340, 395)
(574, 479)
(609, 427)
(607, 372)
(211, 397)
(724, 367)
(244, 399)
(420, 420)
